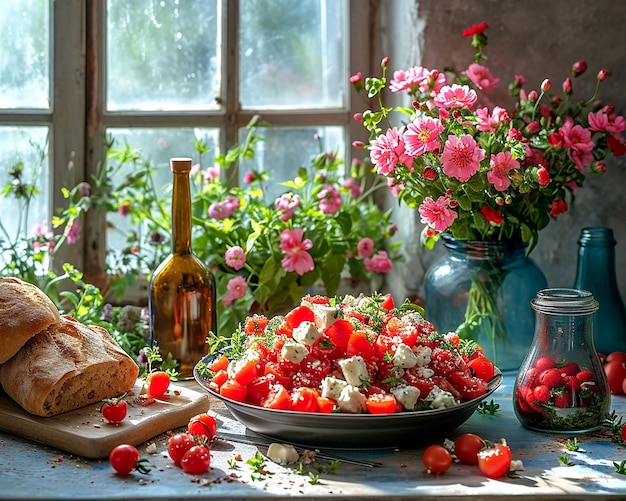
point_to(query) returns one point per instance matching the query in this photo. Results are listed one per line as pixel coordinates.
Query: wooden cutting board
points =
(85, 433)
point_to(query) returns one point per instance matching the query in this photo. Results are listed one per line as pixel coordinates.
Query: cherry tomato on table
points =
(437, 459)
(615, 374)
(114, 409)
(196, 460)
(178, 444)
(203, 425)
(467, 447)
(125, 458)
(158, 383)
(495, 461)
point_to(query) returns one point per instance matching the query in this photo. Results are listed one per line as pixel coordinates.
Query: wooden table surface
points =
(32, 471)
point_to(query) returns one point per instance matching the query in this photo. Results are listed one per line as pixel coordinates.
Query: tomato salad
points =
(356, 355)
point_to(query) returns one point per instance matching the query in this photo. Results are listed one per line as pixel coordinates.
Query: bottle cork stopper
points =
(180, 164)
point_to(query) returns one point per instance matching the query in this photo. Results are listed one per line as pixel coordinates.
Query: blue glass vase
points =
(482, 291)
(596, 273)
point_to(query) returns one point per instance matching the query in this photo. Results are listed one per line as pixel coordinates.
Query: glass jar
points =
(482, 290)
(561, 386)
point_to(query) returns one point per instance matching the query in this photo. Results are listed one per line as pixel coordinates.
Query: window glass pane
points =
(292, 53)
(284, 150)
(139, 148)
(24, 185)
(25, 54)
(162, 54)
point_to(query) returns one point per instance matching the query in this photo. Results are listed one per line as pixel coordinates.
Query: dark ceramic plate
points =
(361, 431)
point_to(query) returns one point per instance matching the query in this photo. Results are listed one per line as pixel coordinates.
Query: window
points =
(160, 75)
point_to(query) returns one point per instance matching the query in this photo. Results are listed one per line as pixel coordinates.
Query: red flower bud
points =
(532, 96)
(599, 167)
(430, 174)
(124, 209)
(556, 139)
(533, 127)
(357, 77)
(616, 145)
(567, 86)
(358, 145)
(357, 117)
(578, 68)
(493, 216)
(602, 74)
(543, 176)
(385, 61)
(558, 207)
(546, 85)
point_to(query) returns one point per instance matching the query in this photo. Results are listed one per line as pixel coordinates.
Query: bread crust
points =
(24, 311)
(67, 366)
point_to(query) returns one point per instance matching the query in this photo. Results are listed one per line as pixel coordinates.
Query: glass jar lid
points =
(564, 302)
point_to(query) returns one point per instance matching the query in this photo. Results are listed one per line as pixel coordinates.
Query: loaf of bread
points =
(24, 311)
(66, 366)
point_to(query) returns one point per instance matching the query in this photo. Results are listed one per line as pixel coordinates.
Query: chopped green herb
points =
(488, 407)
(564, 460)
(620, 467)
(572, 444)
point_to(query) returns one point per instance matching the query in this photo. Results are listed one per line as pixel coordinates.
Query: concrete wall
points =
(538, 39)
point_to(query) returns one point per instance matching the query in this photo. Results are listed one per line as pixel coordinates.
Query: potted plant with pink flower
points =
(486, 176)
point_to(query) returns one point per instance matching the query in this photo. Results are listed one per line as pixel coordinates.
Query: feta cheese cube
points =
(440, 399)
(351, 400)
(332, 387)
(306, 333)
(292, 351)
(404, 357)
(325, 315)
(282, 453)
(423, 356)
(354, 370)
(407, 395)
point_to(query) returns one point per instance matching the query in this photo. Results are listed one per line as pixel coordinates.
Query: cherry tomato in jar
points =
(196, 460)
(495, 461)
(203, 425)
(125, 458)
(467, 447)
(114, 409)
(158, 383)
(437, 459)
(178, 444)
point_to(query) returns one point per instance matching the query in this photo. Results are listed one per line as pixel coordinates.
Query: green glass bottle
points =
(182, 301)
(596, 273)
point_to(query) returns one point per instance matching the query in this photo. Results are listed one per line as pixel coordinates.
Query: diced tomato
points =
(277, 398)
(219, 378)
(445, 362)
(259, 388)
(482, 367)
(304, 399)
(298, 315)
(317, 299)
(359, 344)
(245, 371)
(468, 386)
(275, 369)
(409, 334)
(325, 348)
(387, 344)
(381, 403)
(447, 385)
(326, 405)
(388, 302)
(318, 367)
(424, 385)
(220, 363)
(255, 325)
(339, 332)
(233, 390)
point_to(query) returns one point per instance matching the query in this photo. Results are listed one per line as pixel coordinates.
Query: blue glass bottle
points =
(596, 273)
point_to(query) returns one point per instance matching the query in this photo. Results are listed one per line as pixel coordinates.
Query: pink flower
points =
(357, 77)
(211, 173)
(501, 163)
(287, 203)
(578, 139)
(248, 177)
(461, 157)
(602, 121)
(352, 185)
(456, 96)
(72, 232)
(408, 80)
(365, 247)
(222, 210)
(237, 288)
(296, 256)
(489, 123)
(235, 257)
(436, 214)
(195, 169)
(380, 263)
(330, 199)
(387, 150)
(481, 77)
(422, 135)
